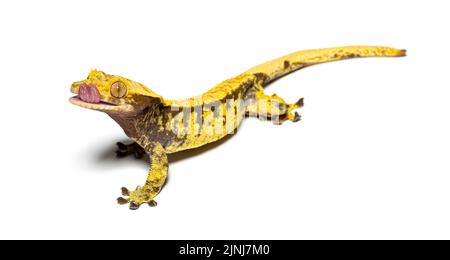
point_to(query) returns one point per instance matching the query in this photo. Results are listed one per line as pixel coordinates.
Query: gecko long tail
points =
(277, 68)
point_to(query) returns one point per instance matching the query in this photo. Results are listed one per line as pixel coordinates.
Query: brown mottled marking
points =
(286, 64)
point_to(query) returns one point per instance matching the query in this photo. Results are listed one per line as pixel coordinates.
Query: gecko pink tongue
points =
(89, 93)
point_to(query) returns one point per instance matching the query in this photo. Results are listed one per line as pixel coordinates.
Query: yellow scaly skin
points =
(160, 126)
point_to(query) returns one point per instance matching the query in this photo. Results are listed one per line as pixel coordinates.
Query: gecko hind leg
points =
(128, 149)
(273, 108)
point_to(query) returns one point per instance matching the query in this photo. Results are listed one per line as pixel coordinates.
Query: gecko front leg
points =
(155, 180)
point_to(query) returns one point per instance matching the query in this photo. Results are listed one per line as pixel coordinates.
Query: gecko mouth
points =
(100, 105)
(89, 97)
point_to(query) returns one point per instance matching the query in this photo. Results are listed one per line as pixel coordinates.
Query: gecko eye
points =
(118, 89)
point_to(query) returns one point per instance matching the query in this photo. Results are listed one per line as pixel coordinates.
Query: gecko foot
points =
(142, 195)
(300, 103)
(134, 149)
(295, 117)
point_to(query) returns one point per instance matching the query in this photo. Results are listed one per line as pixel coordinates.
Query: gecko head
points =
(112, 94)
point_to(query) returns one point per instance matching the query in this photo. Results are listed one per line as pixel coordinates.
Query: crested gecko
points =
(160, 126)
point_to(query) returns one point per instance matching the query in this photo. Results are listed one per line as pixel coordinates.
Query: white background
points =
(369, 160)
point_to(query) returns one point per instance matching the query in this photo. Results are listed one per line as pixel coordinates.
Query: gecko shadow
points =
(108, 153)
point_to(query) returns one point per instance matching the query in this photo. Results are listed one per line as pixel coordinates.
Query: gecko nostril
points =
(89, 93)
